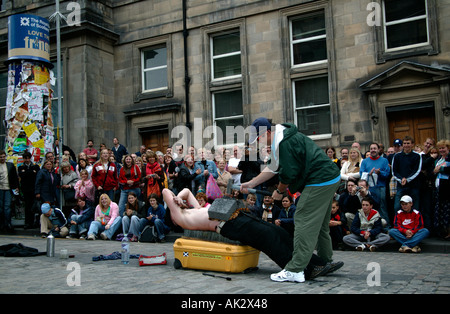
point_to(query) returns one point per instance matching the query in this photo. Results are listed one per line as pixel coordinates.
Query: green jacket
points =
(302, 162)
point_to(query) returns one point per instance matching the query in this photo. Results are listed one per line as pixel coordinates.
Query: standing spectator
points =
(344, 155)
(83, 165)
(250, 165)
(154, 175)
(129, 180)
(429, 142)
(169, 167)
(223, 176)
(27, 178)
(187, 174)
(119, 150)
(104, 175)
(68, 181)
(408, 227)
(350, 168)
(442, 207)
(331, 153)
(208, 167)
(46, 184)
(376, 170)
(9, 181)
(233, 163)
(141, 151)
(406, 167)
(428, 188)
(366, 229)
(91, 152)
(85, 188)
(398, 147)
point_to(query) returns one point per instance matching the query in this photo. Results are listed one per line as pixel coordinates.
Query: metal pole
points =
(58, 80)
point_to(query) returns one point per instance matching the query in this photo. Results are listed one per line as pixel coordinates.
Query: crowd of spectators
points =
(110, 193)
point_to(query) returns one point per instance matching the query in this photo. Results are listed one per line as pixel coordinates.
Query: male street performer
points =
(302, 166)
(244, 227)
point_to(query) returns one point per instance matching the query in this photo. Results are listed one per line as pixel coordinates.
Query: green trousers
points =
(311, 220)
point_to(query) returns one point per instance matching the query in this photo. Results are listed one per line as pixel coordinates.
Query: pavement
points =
(382, 272)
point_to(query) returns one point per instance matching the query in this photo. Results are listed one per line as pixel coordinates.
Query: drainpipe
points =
(187, 80)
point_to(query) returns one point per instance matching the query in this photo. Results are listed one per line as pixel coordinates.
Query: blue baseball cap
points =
(45, 208)
(398, 142)
(259, 126)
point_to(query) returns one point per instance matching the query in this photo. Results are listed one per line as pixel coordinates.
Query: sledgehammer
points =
(231, 186)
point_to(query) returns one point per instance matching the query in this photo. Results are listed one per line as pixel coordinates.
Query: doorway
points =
(416, 120)
(155, 138)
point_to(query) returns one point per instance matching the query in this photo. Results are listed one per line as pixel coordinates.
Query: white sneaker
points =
(286, 275)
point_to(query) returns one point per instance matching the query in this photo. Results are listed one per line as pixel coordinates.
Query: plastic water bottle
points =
(125, 250)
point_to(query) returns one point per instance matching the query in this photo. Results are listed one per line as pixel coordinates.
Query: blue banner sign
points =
(28, 38)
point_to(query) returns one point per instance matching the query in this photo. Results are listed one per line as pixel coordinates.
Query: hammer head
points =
(222, 208)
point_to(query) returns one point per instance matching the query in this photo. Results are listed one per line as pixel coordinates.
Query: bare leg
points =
(191, 219)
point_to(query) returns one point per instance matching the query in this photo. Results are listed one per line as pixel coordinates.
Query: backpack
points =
(148, 234)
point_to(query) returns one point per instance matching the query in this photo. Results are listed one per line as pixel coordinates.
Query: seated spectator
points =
(53, 222)
(338, 225)
(251, 203)
(286, 217)
(155, 216)
(134, 218)
(350, 200)
(268, 211)
(106, 220)
(202, 200)
(408, 227)
(366, 229)
(81, 217)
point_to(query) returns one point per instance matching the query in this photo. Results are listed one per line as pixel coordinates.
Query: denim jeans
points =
(79, 228)
(5, 207)
(379, 193)
(124, 198)
(135, 225)
(161, 228)
(96, 228)
(411, 242)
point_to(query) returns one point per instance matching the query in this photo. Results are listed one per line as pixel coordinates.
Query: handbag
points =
(212, 189)
(153, 188)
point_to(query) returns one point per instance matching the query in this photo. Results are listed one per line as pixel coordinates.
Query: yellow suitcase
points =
(214, 256)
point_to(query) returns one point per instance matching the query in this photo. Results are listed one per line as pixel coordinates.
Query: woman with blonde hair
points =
(106, 219)
(350, 168)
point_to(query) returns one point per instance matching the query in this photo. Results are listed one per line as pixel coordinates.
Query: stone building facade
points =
(342, 70)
